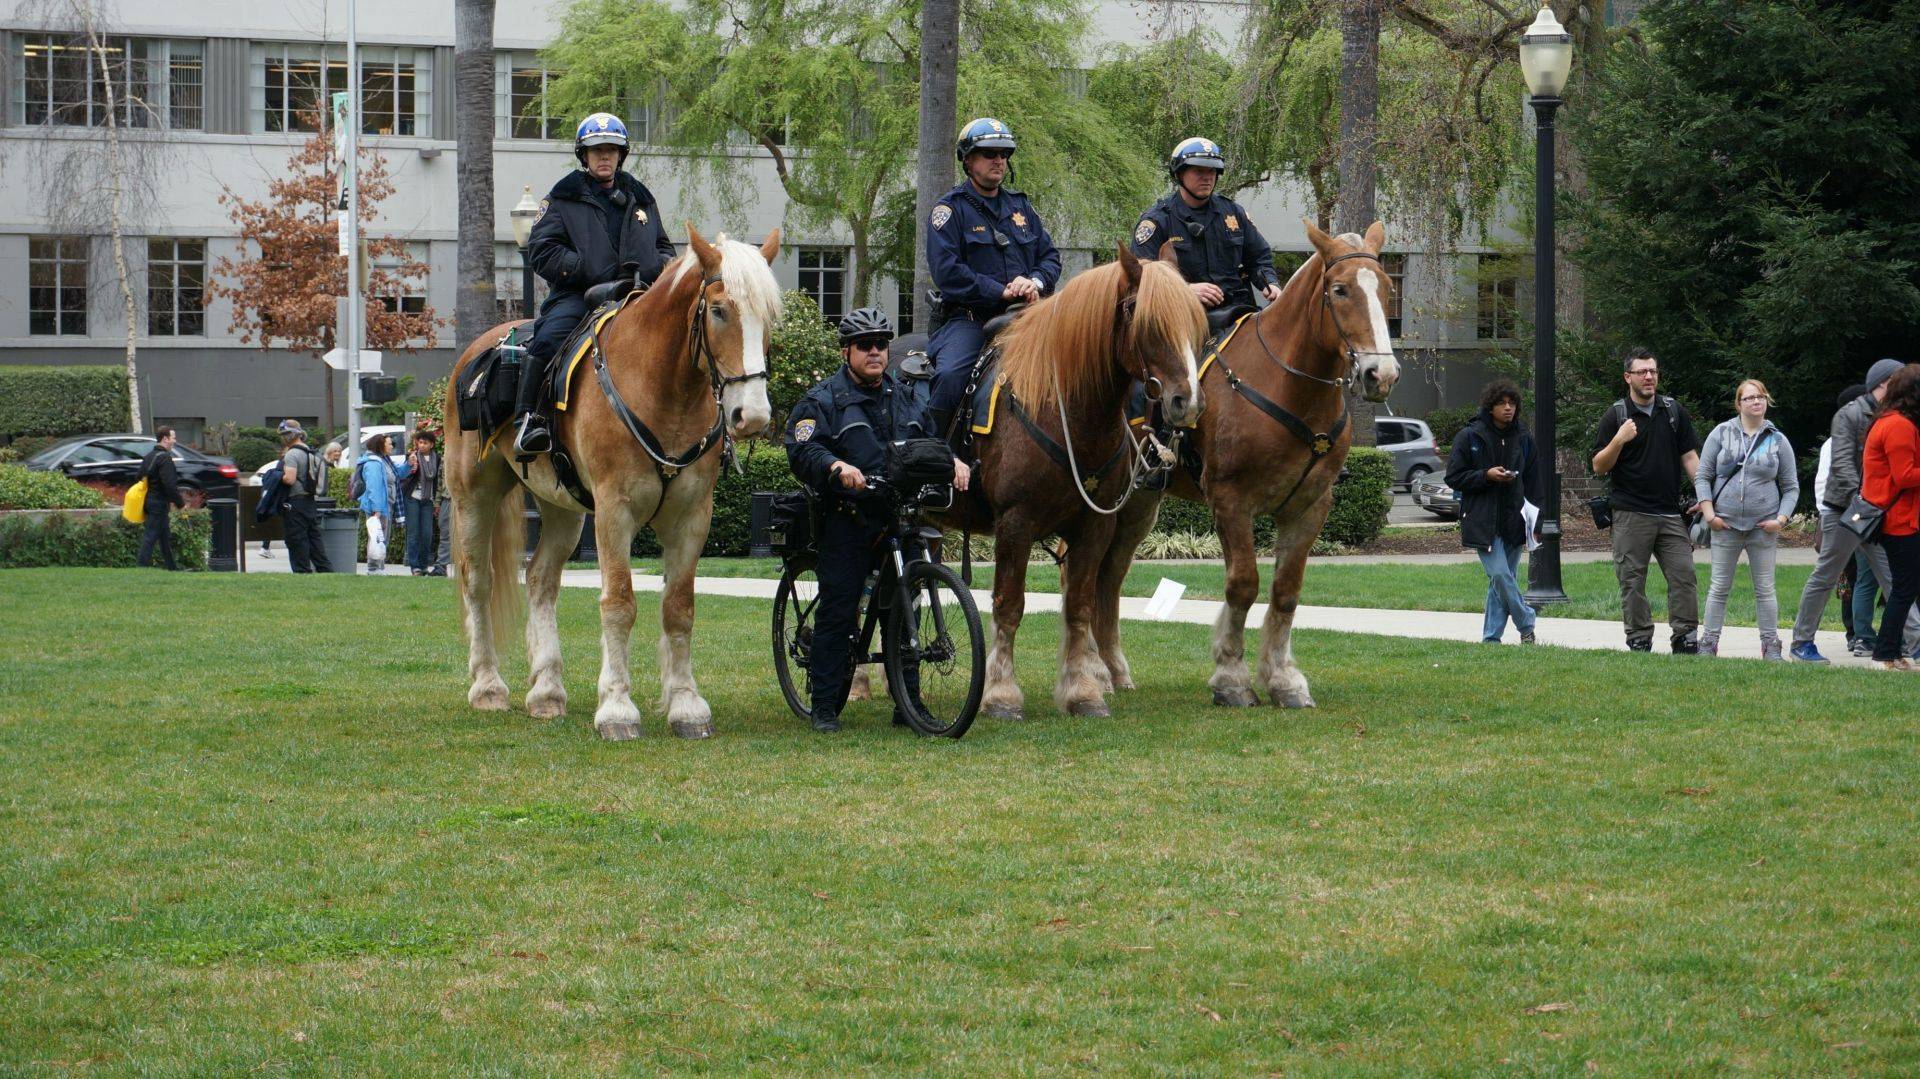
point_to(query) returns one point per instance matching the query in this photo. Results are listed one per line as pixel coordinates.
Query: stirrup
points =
(533, 436)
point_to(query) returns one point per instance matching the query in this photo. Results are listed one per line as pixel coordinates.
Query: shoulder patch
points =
(1145, 231)
(941, 215)
(803, 430)
(543, 210)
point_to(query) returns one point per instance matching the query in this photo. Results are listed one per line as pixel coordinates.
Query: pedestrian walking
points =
(378, 484)
(1496, 470)
(1747, 485)
(1890, 479)
(422, 487)
(303, 472)
(163, 495)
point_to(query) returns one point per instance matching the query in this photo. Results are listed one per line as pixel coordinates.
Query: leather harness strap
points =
(1054, 450)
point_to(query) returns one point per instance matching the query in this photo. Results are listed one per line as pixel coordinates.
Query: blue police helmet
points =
(599, 129)
(1197, 152)
(986, 133)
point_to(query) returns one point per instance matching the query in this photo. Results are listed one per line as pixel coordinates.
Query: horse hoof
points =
(1124, 683)
(492, 700)
(691, 730)
(618, 731)
(1238, 697)
(1004, 711)
(1089, 709)
(1294, 699)
(547, 708)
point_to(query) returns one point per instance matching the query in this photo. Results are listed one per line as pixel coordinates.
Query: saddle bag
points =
(490, 387)
(918, 462)
(791, 527)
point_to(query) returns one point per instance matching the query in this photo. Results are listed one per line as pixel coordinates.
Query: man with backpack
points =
(303, 475)
(163, 494)
(1646, 446)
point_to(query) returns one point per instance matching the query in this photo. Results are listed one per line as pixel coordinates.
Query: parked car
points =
(1415, 452)
(115, 459)
(1433, 495)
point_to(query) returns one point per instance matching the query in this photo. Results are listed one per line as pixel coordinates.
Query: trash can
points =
(223, 545)
(340, 536)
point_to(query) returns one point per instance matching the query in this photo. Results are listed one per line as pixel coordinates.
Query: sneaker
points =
(1686, 646)
(1901, 664)
(1770, 651)
(1639, 644)
(1859, 649)
(1526, 637)
(437, 571)
(1709, 647)
(1805, 652)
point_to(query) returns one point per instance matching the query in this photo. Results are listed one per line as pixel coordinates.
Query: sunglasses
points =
(995, 155)
(869, 344)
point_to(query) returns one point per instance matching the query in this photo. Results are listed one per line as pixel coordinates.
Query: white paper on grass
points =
(1164, 597)
(1530, 516)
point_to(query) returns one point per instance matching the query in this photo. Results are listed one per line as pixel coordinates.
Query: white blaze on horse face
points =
(750, 397)
(1386, 368)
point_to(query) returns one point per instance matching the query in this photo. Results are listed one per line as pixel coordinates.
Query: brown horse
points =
(1273, 442)
(688, 359)
(1068, 363)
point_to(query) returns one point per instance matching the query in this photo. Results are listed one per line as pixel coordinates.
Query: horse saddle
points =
(578, 346)
(982, 407)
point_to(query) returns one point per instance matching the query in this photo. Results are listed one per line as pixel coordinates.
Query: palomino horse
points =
(1068, 363)
(1273, 442)
(684, 365)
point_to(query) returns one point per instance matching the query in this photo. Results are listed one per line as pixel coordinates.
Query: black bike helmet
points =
(866, 322)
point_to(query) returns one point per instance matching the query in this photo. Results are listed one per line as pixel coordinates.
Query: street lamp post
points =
(523, 216)
(1546, 57)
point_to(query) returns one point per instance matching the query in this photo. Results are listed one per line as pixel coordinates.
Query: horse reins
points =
(700, 353)
(1123, 324)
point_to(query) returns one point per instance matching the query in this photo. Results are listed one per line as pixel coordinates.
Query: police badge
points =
(1020, 219)
(941, 215)
(640, 216)
(1233, 223)
(1144, 232)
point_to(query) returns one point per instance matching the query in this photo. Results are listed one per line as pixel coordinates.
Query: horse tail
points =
(506, 600)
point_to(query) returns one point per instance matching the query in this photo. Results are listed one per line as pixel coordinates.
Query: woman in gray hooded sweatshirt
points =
(1747, 486)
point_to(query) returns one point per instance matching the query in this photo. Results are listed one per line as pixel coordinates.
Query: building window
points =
(190, 430)
(155, 83)
(1498, 287)
(401, 294)
(57, 286)
(823, 276)
(508, 279)
(176, 288)
(903, 301)
(293, 87)
(520, 83)
(1396, 264)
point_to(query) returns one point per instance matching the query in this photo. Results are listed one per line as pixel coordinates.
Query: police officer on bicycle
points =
(1222, 256)
(838, 435)
(599, 235)
(986, 250)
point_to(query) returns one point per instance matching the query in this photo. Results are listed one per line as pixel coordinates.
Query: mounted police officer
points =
(1222, 256)
(987, 250)
(841, 432)
(599, 235)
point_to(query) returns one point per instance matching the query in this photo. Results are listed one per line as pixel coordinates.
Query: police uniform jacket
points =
(841, 420)
(1215, 243)
(976, 245)
(584, 234)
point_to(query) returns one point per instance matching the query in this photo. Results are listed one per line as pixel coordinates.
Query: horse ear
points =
(1167, 255)
(1322, 242)
(702, 250)
(1376, 236)
(771, 249)
(1130, 266)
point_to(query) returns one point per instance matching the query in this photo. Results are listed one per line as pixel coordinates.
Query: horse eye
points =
(1340, 290)
(720, 314)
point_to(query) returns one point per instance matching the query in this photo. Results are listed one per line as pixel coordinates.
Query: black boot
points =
(824, 721)
(533, 435)
(940, 419)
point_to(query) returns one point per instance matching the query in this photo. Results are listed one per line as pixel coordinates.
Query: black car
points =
(115, 459)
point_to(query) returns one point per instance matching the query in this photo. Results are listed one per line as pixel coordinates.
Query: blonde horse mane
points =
(1072, 331)
(748, 279)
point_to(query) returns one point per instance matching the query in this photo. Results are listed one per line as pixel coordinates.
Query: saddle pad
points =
(576, 349)
(986, 401)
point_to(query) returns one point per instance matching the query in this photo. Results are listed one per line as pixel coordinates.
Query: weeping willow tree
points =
(827, 91)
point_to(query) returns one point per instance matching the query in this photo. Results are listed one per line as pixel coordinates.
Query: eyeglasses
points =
(869, 344)
(1753, 397)
(995, 155)
(1651, 372)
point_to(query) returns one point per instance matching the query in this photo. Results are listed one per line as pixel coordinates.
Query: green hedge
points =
(63, 400)
(99, 539)
(249, 453)
(22, 489)
(1361, 502)
(801, 352)
(1448, 422)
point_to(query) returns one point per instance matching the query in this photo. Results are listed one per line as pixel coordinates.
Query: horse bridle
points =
(1346, 342)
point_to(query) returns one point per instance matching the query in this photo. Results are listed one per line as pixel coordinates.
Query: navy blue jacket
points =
(582, 237)
(841, 420)
(1215, 243)
(1489, 509)
(976, 245)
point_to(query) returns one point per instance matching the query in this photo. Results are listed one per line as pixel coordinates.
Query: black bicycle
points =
(928, 623)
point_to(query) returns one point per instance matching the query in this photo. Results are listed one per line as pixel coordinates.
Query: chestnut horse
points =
(1273, 442)
(1067, 365)
(688, 359)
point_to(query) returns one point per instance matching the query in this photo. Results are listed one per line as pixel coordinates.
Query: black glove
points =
(607, 290)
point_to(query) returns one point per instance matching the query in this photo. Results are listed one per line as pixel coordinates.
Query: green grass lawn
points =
(230, 845)
(1406, 586)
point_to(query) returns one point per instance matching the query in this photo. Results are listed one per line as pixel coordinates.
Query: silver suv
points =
(1415, 453)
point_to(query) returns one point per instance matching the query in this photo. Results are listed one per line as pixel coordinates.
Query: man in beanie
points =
(1837, 542)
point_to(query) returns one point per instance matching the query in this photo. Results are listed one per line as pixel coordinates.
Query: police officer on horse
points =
(839, 434)
(598, 236)
(1222, 256)
(987, 250)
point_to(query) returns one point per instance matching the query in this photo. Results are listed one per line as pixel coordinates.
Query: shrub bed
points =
(96, 538)
(24, 489)
(1361, 501)
(63, 400)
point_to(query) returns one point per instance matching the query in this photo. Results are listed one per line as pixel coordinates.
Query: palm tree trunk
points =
(1359, 106)
(474, 309)
(939, 94)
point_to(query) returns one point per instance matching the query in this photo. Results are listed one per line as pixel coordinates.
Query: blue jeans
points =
(420, 533)
(1503, 592)
(1866, 589)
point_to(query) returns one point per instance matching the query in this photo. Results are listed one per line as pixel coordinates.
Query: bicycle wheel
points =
(939, 633)
(793, 605)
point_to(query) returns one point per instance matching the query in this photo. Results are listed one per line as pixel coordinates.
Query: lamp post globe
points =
(523, 216)
(1546, 59)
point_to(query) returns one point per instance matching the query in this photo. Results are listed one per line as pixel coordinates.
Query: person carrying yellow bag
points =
(133, 507)
(160, 478)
